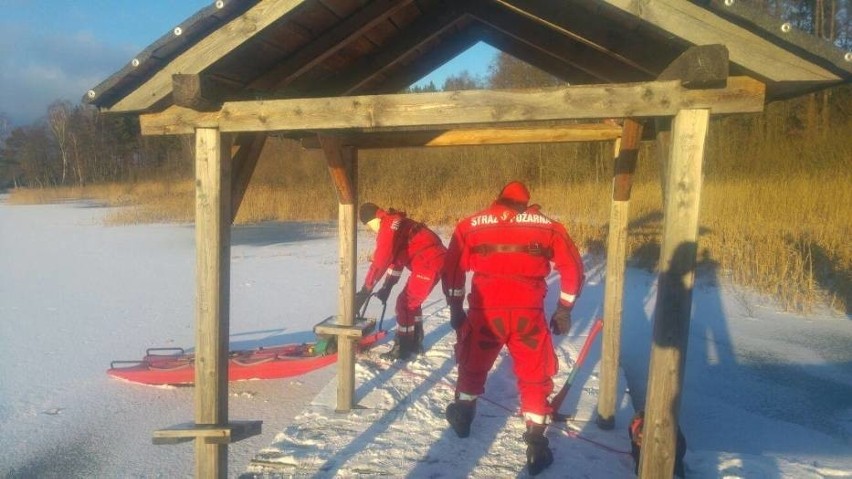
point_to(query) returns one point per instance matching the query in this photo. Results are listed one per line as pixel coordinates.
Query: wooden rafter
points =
(698, 26)
(329, 43)
(544, 61)
(204, 53)
(559, 42)
(443, 110)
(572, 19)
(425, 63)
(422, 31)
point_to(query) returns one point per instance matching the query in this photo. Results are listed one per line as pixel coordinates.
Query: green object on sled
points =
(325, 345)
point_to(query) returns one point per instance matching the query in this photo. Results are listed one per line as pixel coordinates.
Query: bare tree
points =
(57, 117)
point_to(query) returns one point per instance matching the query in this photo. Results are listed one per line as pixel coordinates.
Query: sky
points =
(766, 394)
(59, 49)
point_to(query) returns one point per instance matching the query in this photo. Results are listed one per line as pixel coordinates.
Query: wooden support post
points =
(245, 160)
(626, 154)
(674, 294)
(213, 256)
(343, 166)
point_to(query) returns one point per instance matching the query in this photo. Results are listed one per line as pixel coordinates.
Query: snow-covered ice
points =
(767, 394)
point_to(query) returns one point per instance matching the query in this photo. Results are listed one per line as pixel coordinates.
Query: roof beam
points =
(328, 44)
(554, 41)
(443, 110)
(478, 137)
(698, 26)
(423, 30)
(429, 61)
(612, 39)
(542, 60)
(206, 52)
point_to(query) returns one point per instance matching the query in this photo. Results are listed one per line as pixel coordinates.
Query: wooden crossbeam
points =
(482, 136)
(209, 433)
(443, 110)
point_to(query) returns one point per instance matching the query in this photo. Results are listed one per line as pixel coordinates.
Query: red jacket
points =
(403, 243)
(510, 255)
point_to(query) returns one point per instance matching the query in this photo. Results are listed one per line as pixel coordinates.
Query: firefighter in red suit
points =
(509, 247)
(402, 243)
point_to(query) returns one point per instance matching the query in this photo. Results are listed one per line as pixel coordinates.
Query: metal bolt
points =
(91, 93)
(178, 31)
(134, 62)
(786, 27)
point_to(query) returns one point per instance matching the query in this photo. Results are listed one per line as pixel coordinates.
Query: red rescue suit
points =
(509, 254)
(404, 243)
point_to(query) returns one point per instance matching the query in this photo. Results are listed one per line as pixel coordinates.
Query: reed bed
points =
(776, 216)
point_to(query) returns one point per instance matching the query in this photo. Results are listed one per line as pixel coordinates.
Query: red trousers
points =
(525, 333)
(409, 301)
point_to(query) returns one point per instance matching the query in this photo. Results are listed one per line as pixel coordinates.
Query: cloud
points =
(37, 68)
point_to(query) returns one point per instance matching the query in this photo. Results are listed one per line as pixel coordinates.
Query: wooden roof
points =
(254, 49)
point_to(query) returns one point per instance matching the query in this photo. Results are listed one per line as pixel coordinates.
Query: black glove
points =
(457, 315)
(560, 322)
(383, 293)
(361, 298)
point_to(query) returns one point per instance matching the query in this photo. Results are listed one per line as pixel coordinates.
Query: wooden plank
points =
(805, 44)
(211, 434)
(415, 68)
(213, 254)
(547, 36)
(424, 29)
(445, 110)
(441, 109)
(674, 294)
(626, 154)
(542, 60)
(698, 26)
(206, 52)
(470, 137)
(245, 161)
(336, 157)
(608, 36)
(328, 44)
(198, 92)
(704, 66)
(334, 326)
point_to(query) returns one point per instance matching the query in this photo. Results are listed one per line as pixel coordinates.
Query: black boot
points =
(460, 414)
(539, 455)
(403, 348)
(418, 337)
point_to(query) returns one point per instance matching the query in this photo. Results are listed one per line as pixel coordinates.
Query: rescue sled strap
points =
(534, 249)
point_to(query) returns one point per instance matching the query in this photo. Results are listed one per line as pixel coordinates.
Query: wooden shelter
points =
(329, 71)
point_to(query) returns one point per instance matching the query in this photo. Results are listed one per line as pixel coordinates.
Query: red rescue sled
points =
(177, 367)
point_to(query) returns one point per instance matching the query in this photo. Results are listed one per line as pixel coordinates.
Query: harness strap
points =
(534, 249)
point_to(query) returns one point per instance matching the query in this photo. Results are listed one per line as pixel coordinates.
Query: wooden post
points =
(674, 293)
(343, 166)
(626, 154)
(213, 254)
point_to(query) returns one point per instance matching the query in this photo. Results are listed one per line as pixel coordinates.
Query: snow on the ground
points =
(767, 394)
(399, 430)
